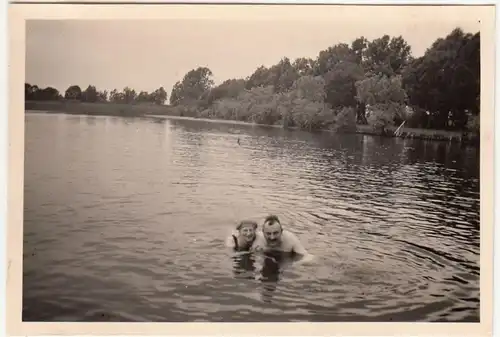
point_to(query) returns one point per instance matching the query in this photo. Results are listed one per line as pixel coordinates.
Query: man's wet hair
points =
(247, 222)
(271, 220)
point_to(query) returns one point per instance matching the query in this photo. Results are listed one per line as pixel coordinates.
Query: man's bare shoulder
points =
(293, 241)
(289, 235)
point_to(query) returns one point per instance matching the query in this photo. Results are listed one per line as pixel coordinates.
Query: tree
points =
(261, 77)
(304, 66)
(30, 91)
(115, 96)
(309, 87)
(159, 96)
(280, 76)
(345, 119)
(192, 86)
(340, 84)
(304, 105)
(89, 95)
(73, 92)
(386, 55)
(358, 48)
(129, 95)
(311, 115)
(446, 80)
(385, 99)
(102, 96)
(258, 105)
(283, 75)
(228, 89)
(34, 93)
(329, 58)
(177, 95)
(143, 97)
(48, 94)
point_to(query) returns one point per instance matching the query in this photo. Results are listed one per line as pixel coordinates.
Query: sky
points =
(145, 54)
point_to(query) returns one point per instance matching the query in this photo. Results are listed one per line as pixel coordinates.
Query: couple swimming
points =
(272, 238)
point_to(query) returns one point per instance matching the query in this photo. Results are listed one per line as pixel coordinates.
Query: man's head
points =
(272, 230)
(247, 229)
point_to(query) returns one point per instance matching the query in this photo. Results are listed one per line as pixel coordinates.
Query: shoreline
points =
(423, 134)
(118, 110)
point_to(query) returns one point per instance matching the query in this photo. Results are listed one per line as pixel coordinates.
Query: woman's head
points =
(247, 229)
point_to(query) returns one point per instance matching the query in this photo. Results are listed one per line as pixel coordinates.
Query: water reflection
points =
(244, 266)
(159, 120)
(270, 275)
(267, 268)
(91, 120)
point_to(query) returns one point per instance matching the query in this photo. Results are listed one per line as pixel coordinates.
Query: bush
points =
(473, 124)
(345, 119)
(382, 115)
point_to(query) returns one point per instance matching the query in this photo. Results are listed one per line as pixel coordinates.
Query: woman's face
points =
(248, 232)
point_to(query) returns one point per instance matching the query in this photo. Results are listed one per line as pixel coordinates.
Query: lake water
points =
(124, 220)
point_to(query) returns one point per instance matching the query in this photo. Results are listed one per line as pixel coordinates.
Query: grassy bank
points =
(426, 134)
(96, 109)
(137, 110)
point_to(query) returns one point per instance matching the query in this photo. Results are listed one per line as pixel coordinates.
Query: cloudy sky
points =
(145, 54)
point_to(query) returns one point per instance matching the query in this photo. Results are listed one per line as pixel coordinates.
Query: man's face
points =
(272, 233)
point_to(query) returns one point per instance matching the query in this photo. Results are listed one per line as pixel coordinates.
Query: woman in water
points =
(244, 236)
(241, 242)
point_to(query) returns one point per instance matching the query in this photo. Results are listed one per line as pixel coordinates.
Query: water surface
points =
(124, 220)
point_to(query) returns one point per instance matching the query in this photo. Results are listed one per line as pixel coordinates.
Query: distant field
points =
(112, 109)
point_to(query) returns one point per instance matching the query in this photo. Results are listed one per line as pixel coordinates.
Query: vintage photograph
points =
(260, 169)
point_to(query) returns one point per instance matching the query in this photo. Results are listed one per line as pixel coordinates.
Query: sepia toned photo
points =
(316, 166)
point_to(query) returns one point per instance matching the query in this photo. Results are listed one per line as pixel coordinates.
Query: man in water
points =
(277, 239)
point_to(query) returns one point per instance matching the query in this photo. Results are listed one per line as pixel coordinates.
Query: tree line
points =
(376, 82)
(92, 95)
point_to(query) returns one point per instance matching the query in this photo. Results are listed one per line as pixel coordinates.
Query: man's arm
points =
(297, 246)
(259, 244)
(299, 249)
